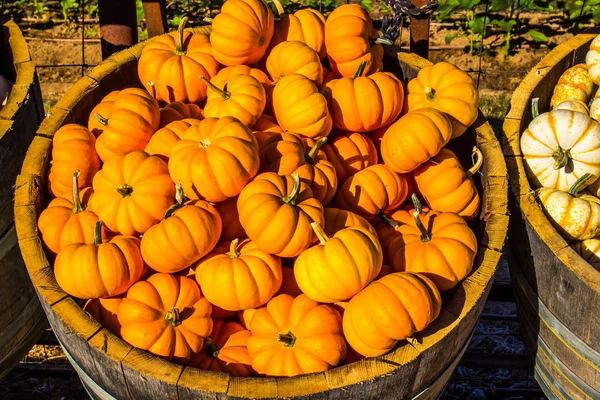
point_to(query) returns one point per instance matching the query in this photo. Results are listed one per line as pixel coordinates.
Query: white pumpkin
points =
(559, 147)
(595, 108)
(573, 105)
(592, 60)
(5, 87)
(574, 84)
(589, 250)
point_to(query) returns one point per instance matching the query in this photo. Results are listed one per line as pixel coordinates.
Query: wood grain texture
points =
(427, 360)
(557, 292)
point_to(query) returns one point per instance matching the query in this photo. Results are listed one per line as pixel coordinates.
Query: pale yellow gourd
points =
(589, 250)
(574, 84)
(595, 108)
(592, 60)
(573, 105)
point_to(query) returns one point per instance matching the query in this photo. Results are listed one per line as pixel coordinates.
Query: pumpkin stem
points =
(224, 94)
(279, 7)
(425, 236)
(98, 233)
(233, 249)
(125, 190)
(321, 235)
(288, 339)
(77, 207)
(580, 183)
(561, 158)
(389, 221)
(291, 199)
(477, 162)
(152, 88)
(312, 154)
(535, 111)
(179, 198)
(179, 44)
(101, 119)
(211, 348)
(360, 70)
(429, 92)
(384, 41)
(172, 317)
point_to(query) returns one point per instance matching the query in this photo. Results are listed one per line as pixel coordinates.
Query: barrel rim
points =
(474, 288)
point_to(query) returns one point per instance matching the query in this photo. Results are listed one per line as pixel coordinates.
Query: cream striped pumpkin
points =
(574, 105)
(574, 84)
(559, 147)
(595, 108)
(589, 250)
(592, 60)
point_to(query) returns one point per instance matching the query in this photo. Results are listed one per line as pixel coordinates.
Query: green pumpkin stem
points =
(172, 317)
(211, 348)
(535, 110)
(425, 236)
(384, 41)
(224, 94)
(77, 207)
(279, 7)
(179, 44)
(101, 119)
(561, 158)
(477, 163)
(125, 190)
(288, 339)
(388, 220)
(98, 233)
(233, 249)
(179, 198)
(360, 70)
(580, 183)
(321, 235)
(312, 154)
(429, 93)
(291, 199)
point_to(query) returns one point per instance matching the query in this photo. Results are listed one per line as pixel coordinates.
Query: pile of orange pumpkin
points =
(274, 217)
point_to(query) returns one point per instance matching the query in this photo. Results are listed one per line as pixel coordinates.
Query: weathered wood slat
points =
(120, 371)
(557, 292)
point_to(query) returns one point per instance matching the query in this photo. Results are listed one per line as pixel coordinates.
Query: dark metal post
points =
(118, 25)
(155, 14)
(419, 33)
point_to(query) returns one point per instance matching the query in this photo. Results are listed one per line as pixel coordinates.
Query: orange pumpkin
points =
(104, 108)
(276, 212)
(364, 103)
(377, 136)
(226, 73)
(415, 138)
(265, 127)
(294, 57)
(215, 159)
(390, 309)
(240, 96)
(373, 190)
(177, 111)
(65, 222)
(351, 39)
(225, 350)
(163, 140)
(350, 153)
(105, 312)
(282, 153)
(286, 333)
(340, 266)
(241, 32)
(337, 219)
(245, 317)
(96, 270)
(73, 149)
(447, 187)
(318, 173)
(232, 229)
(448, 89)
(288, 283)
(134, 117)
(132, 192)
(239, 279)
(299, 107)
(167, 316)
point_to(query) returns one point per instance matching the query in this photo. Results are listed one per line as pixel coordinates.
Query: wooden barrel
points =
(110, 368)
(22, 319)
(557, 292)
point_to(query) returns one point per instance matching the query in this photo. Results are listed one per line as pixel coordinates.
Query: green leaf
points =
(538, 36)
(450, 37)
(139, 10)
(367, 5)
(175, 21)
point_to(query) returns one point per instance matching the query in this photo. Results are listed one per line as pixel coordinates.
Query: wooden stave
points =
(91, 339)
(572, 280)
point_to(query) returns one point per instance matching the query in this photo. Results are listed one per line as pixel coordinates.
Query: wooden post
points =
(419, 33)
(155, 14)
(118, 25)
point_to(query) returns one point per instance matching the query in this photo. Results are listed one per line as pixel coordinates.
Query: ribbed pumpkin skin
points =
(350, 153)
(104, 108)
(164, 139)
(73, 149)
(91, 271)
(105, 312)
(282, 153)
(589, 250)
(306, 26)
(134, 118)
(177, 111)
(390, 309)
(173, 67)
(299, 107)
(132, 192)
(592, 60)
(294, 57)
(340, 268)
(446, 186)
(446, 259)
(239, 279)
(448, 89)
(144, 311)
(226, 73)
(576, 218)
(570, 131)
(186, 236)
(348, 35)
(275, 226)
(367, 102)
(251, 20)
(337, 219)
(215, 159)
(232, 229)
(371, 191)
(318, 172)
(414, 139)
(229, 339)
(265, 127)
(573, 105)
(313, 325)
(574, 84)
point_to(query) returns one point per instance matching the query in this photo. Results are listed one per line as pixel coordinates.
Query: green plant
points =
(506, 26)
(469, 24)
(67, 5)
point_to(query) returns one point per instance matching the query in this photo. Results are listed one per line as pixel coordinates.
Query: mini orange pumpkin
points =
(163, 140)
(282, 153)
(104, 108)
(105, 311)
(265, 127)
(276, 212)
(286, 332)
(177, 111)
(226, 73)
(337, 219)
(167, 316)
(318, 173)
(350, 153)
(232, 229)
(294, 57)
